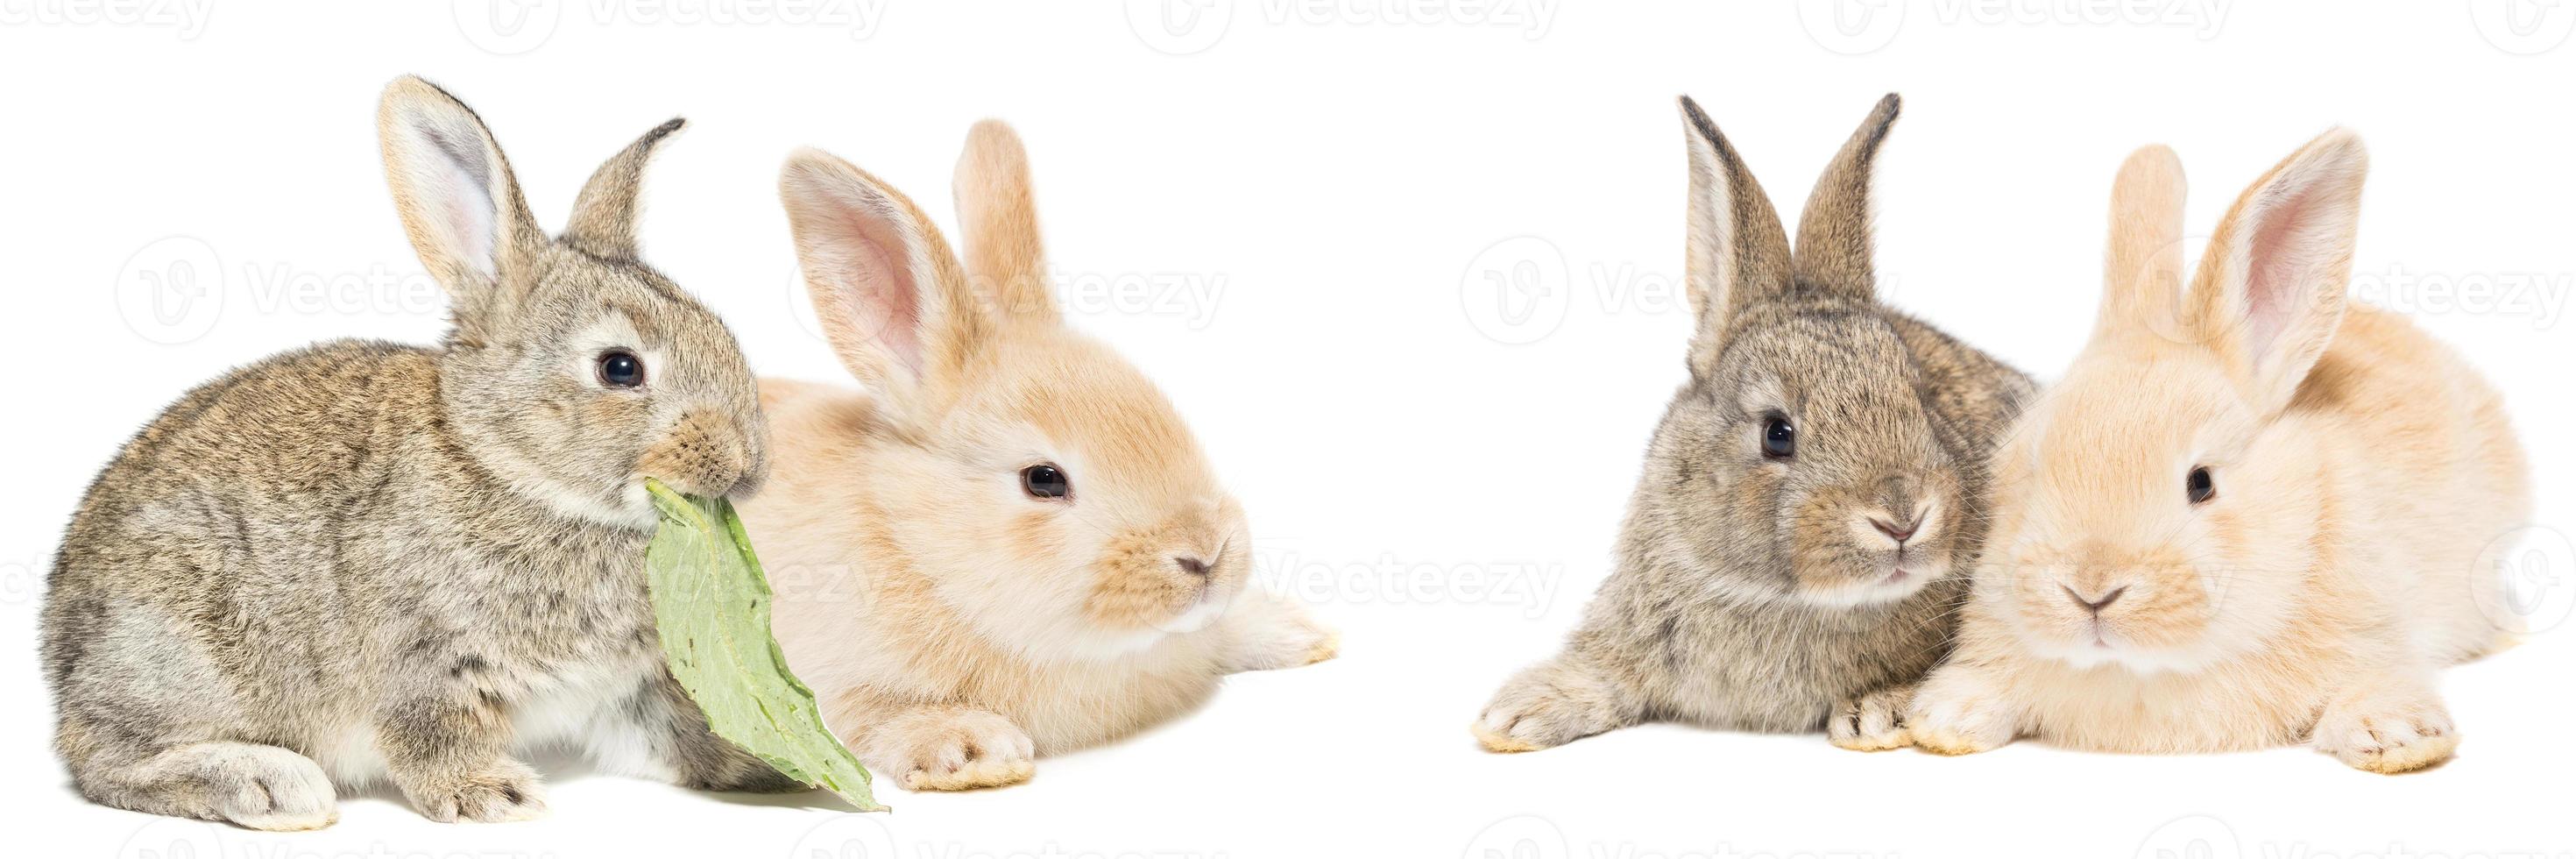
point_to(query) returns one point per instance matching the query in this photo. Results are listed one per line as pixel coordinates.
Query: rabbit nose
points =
(1191, 565)
(704, 453)
(2096, 605)
(1897, 532)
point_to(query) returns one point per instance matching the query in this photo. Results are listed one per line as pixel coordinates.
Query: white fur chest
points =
(586, 710)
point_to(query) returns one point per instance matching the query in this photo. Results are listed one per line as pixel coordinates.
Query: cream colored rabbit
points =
(1008, 545)
(2247, 518)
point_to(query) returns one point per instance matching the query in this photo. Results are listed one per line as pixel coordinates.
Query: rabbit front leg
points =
(1265, 631)
(1874, 722)
(934, 746)
(249, 784)
(2392, 723)
(1557, 702)
(698, 758)
(1962, 708)
(447, 753)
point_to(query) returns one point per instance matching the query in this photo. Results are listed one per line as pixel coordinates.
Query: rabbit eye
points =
(1045, 481)
(2199, 486)
(1779, 439)
(619, 368)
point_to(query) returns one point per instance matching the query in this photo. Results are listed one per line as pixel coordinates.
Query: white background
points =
(1313, 206)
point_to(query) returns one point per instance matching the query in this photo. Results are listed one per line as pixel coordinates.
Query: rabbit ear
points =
(2271, 286)
(998, 217)
(884, 285)
(2142, 273)
(1833, 255)
(603, 216)
(455, 193)
(1737, 252)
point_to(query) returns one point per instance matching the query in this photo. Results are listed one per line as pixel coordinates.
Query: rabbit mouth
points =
(2087, 643)
(1909, 572)
(1202, 611)
(1890, 577)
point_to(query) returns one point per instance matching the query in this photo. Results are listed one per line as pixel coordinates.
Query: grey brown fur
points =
(1751, 592)
(365, 560)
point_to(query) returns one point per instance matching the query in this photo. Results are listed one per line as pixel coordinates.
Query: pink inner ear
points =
(452, 181)
(874, 277)
(2279, 259)
(471, 227)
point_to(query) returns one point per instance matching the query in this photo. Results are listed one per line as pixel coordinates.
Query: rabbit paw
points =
(1270, 633)
(952, 749)
(1545, 707)
(2387, 738)
(1948, 720)
(273, 789)
(500, 793)
(1872, 723)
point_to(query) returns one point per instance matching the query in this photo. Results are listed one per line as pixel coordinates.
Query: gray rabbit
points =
(1811, 501)
(364, 561)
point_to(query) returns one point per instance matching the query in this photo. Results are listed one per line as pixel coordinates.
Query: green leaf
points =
(712, 605)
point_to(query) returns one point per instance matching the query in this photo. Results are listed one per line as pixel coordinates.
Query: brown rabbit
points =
(364, 561)
(1795, 548)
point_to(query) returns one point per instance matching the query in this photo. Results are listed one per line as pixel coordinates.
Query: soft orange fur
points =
(2360, 467)
(954, 625)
